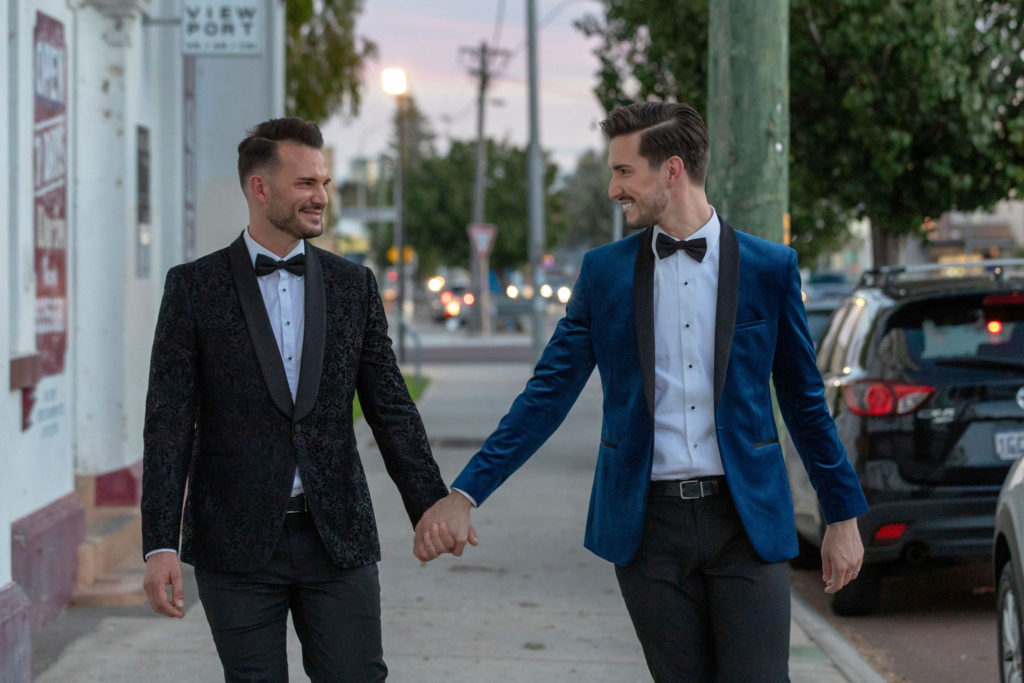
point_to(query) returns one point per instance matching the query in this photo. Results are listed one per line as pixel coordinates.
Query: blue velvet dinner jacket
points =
(760, 337)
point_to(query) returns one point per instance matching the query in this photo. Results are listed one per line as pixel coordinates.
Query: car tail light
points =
(889, 533)
(995, 327)
(877, 398)
(468, 298)
(446, 296)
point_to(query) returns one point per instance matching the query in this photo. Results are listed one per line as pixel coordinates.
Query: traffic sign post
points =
(481, 239)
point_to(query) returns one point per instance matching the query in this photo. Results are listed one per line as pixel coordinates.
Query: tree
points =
(439, 198)
(324, 58)
(899, 110)
(587, 207)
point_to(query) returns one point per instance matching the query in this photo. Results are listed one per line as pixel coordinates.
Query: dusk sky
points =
(425, 38)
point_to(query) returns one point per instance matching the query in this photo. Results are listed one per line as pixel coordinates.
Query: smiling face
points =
(639, 189)
(296, 191)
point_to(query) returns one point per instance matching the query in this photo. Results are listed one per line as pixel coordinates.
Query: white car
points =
(1008, 566)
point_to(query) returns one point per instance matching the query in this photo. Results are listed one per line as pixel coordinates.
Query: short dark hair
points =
(259, 148)
(669, 129)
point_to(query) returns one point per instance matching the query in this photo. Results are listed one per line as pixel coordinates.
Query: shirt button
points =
(287, 322)
(694, 445)
(289, 357)
(687, 325)
(693, 407)
(685, 283)
(690, 365)
(284, 289)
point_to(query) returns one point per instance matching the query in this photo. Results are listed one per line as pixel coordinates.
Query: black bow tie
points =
(666, 246)
(265, 265)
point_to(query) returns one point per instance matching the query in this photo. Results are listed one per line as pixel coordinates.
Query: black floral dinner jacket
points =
(220, 422)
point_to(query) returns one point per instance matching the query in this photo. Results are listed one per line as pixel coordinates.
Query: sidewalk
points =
(529, 604)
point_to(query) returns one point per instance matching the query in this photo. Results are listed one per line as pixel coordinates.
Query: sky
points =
(425, 38)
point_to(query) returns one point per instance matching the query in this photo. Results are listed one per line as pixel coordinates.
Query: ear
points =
(259, 189)
(676, 170)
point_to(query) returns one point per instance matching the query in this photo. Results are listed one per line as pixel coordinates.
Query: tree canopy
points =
(324, 58)
(900, 110)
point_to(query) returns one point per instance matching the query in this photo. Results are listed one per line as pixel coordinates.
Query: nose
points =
(322, 196)
(614, 191)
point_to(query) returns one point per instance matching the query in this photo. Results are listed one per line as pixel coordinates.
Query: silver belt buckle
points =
(691, 489)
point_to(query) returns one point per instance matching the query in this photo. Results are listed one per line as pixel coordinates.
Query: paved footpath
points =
(529, 604)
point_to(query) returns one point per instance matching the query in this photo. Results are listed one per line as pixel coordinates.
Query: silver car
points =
(1008, 565)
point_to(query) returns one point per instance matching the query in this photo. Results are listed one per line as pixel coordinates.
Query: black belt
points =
(689, 489)
(297, 504)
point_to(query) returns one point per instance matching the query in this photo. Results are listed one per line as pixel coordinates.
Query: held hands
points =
(162, 570)
(444, 528)
(842, 554)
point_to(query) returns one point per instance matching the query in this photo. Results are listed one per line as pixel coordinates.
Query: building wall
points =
(84, 419)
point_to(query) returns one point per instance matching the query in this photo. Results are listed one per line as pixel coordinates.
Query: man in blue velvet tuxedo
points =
(250, 457)
(689, 323)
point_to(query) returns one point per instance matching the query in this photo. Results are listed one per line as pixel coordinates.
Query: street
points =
(936, 624)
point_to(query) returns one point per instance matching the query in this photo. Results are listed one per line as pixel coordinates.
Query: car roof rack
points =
(995, 270)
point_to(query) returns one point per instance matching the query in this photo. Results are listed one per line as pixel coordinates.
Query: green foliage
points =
(324, 58)
(899, 109)
(439, 200)
(587, 207)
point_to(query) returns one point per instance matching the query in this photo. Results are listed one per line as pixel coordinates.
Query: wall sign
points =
(222, 27)
(49, 172)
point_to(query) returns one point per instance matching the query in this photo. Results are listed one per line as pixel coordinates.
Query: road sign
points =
(481, 236)
(410, 254)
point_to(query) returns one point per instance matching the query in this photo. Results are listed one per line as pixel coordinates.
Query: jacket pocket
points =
(749, 323)
(765, 443)
(608, 444)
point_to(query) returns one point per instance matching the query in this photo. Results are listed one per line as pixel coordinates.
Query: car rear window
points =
(948, 328)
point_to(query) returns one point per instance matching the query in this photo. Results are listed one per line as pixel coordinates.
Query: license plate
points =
(1010, 444)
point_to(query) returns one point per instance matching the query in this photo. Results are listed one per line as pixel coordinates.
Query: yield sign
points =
(481, 236)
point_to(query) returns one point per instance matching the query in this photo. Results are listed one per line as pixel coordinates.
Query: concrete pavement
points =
(529, 604)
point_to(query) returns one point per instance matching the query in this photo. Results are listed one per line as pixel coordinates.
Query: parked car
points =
(819, 311)
(921, 372)
(1008, 569)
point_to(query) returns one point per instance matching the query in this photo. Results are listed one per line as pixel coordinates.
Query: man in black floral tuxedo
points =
(258, 353)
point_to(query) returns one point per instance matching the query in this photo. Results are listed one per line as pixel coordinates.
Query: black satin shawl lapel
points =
(267, 353)
(643, 312)
(312, 336)
(725, 311)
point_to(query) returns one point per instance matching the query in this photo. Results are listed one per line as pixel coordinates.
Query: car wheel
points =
(808, 555)
(1011, 659)
(860, 596)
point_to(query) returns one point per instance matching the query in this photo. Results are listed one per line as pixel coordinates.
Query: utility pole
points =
(748, 114)
(484, 61)
(535, 177)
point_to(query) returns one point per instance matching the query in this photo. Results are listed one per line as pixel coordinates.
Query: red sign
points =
(481, 236)
(49, 172)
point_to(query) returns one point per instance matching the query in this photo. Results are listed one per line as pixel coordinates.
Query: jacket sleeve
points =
(559, 377)
(171, 416)
(392, 415)
(801, 397)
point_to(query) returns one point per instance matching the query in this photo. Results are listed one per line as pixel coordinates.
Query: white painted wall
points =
(40, 465)
(223, 115)
(7, 414)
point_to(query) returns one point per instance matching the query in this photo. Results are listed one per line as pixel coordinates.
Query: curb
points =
(844, 655)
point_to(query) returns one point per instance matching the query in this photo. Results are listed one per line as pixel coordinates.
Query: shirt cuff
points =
(470, 498)
(159, 550)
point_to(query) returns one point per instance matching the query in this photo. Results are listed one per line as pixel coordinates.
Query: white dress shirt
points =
(685, 300)
(284, 296)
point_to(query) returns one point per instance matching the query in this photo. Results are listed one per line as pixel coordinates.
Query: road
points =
(934, 625)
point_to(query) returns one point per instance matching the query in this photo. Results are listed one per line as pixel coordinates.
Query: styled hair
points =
(668, 129)
(259, 148)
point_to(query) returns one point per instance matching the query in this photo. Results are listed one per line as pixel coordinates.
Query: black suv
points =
(922, 366)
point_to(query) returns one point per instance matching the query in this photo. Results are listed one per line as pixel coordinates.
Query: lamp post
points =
(394, 83)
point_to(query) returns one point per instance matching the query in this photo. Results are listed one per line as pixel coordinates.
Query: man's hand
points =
(162, 570)
(444, 528)
(842, 554)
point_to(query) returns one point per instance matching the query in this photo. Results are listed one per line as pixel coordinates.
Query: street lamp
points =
(394, 83)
